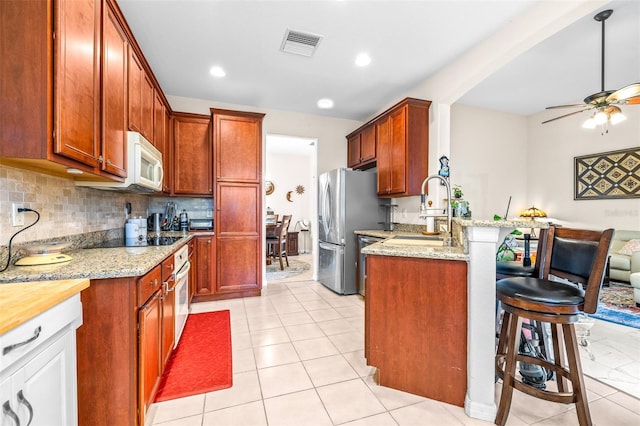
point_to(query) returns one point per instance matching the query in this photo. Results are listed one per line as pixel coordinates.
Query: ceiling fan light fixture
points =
(589, 124)
(600, 117)
(617, 117)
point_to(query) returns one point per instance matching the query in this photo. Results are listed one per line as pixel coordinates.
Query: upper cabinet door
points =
(238, 146)
(77, 77)
(192, 155)
(114, 87)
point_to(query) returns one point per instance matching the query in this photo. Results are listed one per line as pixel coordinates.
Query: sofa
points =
(622, 265)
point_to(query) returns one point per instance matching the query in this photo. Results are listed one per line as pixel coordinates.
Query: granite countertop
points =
(97, 263)
(380, 249)
(19, 302)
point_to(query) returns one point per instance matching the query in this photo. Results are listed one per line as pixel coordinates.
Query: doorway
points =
(291, 178)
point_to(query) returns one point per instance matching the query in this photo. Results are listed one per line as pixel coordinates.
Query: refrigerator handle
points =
(325, 197)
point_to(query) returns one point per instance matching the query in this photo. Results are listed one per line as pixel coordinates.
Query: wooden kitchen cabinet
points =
(361, 148)
(150, 339)
(114, 86)
(416, 325)
(403, 148)
(123, 345)
(192, 154)
(141, 98)
(51, 96)
(237, 142)
(205, 263)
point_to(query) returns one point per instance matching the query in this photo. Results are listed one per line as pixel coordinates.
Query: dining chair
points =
(278, 243)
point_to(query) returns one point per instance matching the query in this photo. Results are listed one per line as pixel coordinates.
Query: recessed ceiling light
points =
(217, 71)
(325, 103)
(362, 60)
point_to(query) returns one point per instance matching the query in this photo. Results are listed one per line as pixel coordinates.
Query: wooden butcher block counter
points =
(20, 302)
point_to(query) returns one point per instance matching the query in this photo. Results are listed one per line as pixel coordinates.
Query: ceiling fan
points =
(604, 103)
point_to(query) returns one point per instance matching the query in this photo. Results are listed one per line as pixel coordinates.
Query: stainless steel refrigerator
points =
(347, 201)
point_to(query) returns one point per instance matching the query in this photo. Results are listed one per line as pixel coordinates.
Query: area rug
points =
(617, 305)
(296, 267)
(202, 361)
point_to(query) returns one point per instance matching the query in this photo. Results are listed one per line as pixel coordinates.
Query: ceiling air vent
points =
(300, 43)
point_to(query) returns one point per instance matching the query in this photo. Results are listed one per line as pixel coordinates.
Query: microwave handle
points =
(161, 174)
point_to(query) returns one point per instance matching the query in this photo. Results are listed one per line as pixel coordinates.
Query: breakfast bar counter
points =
(438, 306)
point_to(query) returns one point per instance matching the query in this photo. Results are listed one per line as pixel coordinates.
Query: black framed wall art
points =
(607, 175)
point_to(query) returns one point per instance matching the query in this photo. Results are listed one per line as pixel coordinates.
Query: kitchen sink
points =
(415, 240)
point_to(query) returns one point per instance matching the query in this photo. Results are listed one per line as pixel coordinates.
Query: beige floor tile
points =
(272, 355)
(338, 326)
(288, 308)
(315, 305)
(185, 421)
(243, 360)
(315, 348)
(246, 388)
(325, 315)
(251, 414)
(348, 342)
(357, 360)
(626, 400)
(264, 322)
(351, 311)
(425, 413)
(303, 332)
(269, 336)
(296, 318)
(328, 370)
(296, 409)
(240, 341)
(178, 408)
(383, 419)
(347, 401)
(392, 398)
(283, 379)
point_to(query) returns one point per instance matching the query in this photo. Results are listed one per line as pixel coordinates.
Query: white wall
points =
(551, 151)
(486, 160)
(287, 172)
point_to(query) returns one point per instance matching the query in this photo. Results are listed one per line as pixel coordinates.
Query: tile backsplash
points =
(64, 208)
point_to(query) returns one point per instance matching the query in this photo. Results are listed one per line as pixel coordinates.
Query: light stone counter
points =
(380, 249)
(96, 263)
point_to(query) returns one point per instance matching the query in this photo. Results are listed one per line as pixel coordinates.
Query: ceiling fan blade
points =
(630, 91)
(633, 101)
(565, 106)
(566, 115)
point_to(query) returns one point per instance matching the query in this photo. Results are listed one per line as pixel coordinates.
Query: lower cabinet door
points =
(149, 321)
(43, 391)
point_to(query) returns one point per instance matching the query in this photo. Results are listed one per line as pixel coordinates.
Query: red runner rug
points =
(202, 361)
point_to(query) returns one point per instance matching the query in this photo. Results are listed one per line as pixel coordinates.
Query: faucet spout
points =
(423, 207)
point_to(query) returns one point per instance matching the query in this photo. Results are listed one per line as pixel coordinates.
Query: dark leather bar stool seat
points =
(574, 255)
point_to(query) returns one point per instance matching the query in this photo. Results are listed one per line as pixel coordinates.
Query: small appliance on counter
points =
(184, 220)
(135, 232)
(44, 254)
(201, 224)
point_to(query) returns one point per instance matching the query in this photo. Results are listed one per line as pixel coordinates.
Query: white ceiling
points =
(409, 41)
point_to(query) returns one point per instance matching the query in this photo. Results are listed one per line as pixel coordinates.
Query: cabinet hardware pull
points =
(155, 282)
(108, 162)
(100, 159)
(22, 400)
(6, 409)
(36, 334)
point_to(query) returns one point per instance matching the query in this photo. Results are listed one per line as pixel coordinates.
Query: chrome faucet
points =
(423, 207)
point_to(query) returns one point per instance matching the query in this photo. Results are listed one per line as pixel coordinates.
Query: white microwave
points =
(144, 168)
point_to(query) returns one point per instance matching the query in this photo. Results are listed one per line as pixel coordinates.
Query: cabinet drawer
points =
(25, 338)
(148, 284)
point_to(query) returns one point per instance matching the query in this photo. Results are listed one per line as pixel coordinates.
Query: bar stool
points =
(572, 256)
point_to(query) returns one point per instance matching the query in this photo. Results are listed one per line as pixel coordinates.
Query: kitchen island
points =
(440, 279)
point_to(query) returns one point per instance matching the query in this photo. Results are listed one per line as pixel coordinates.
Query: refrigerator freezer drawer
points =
(331, 268)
